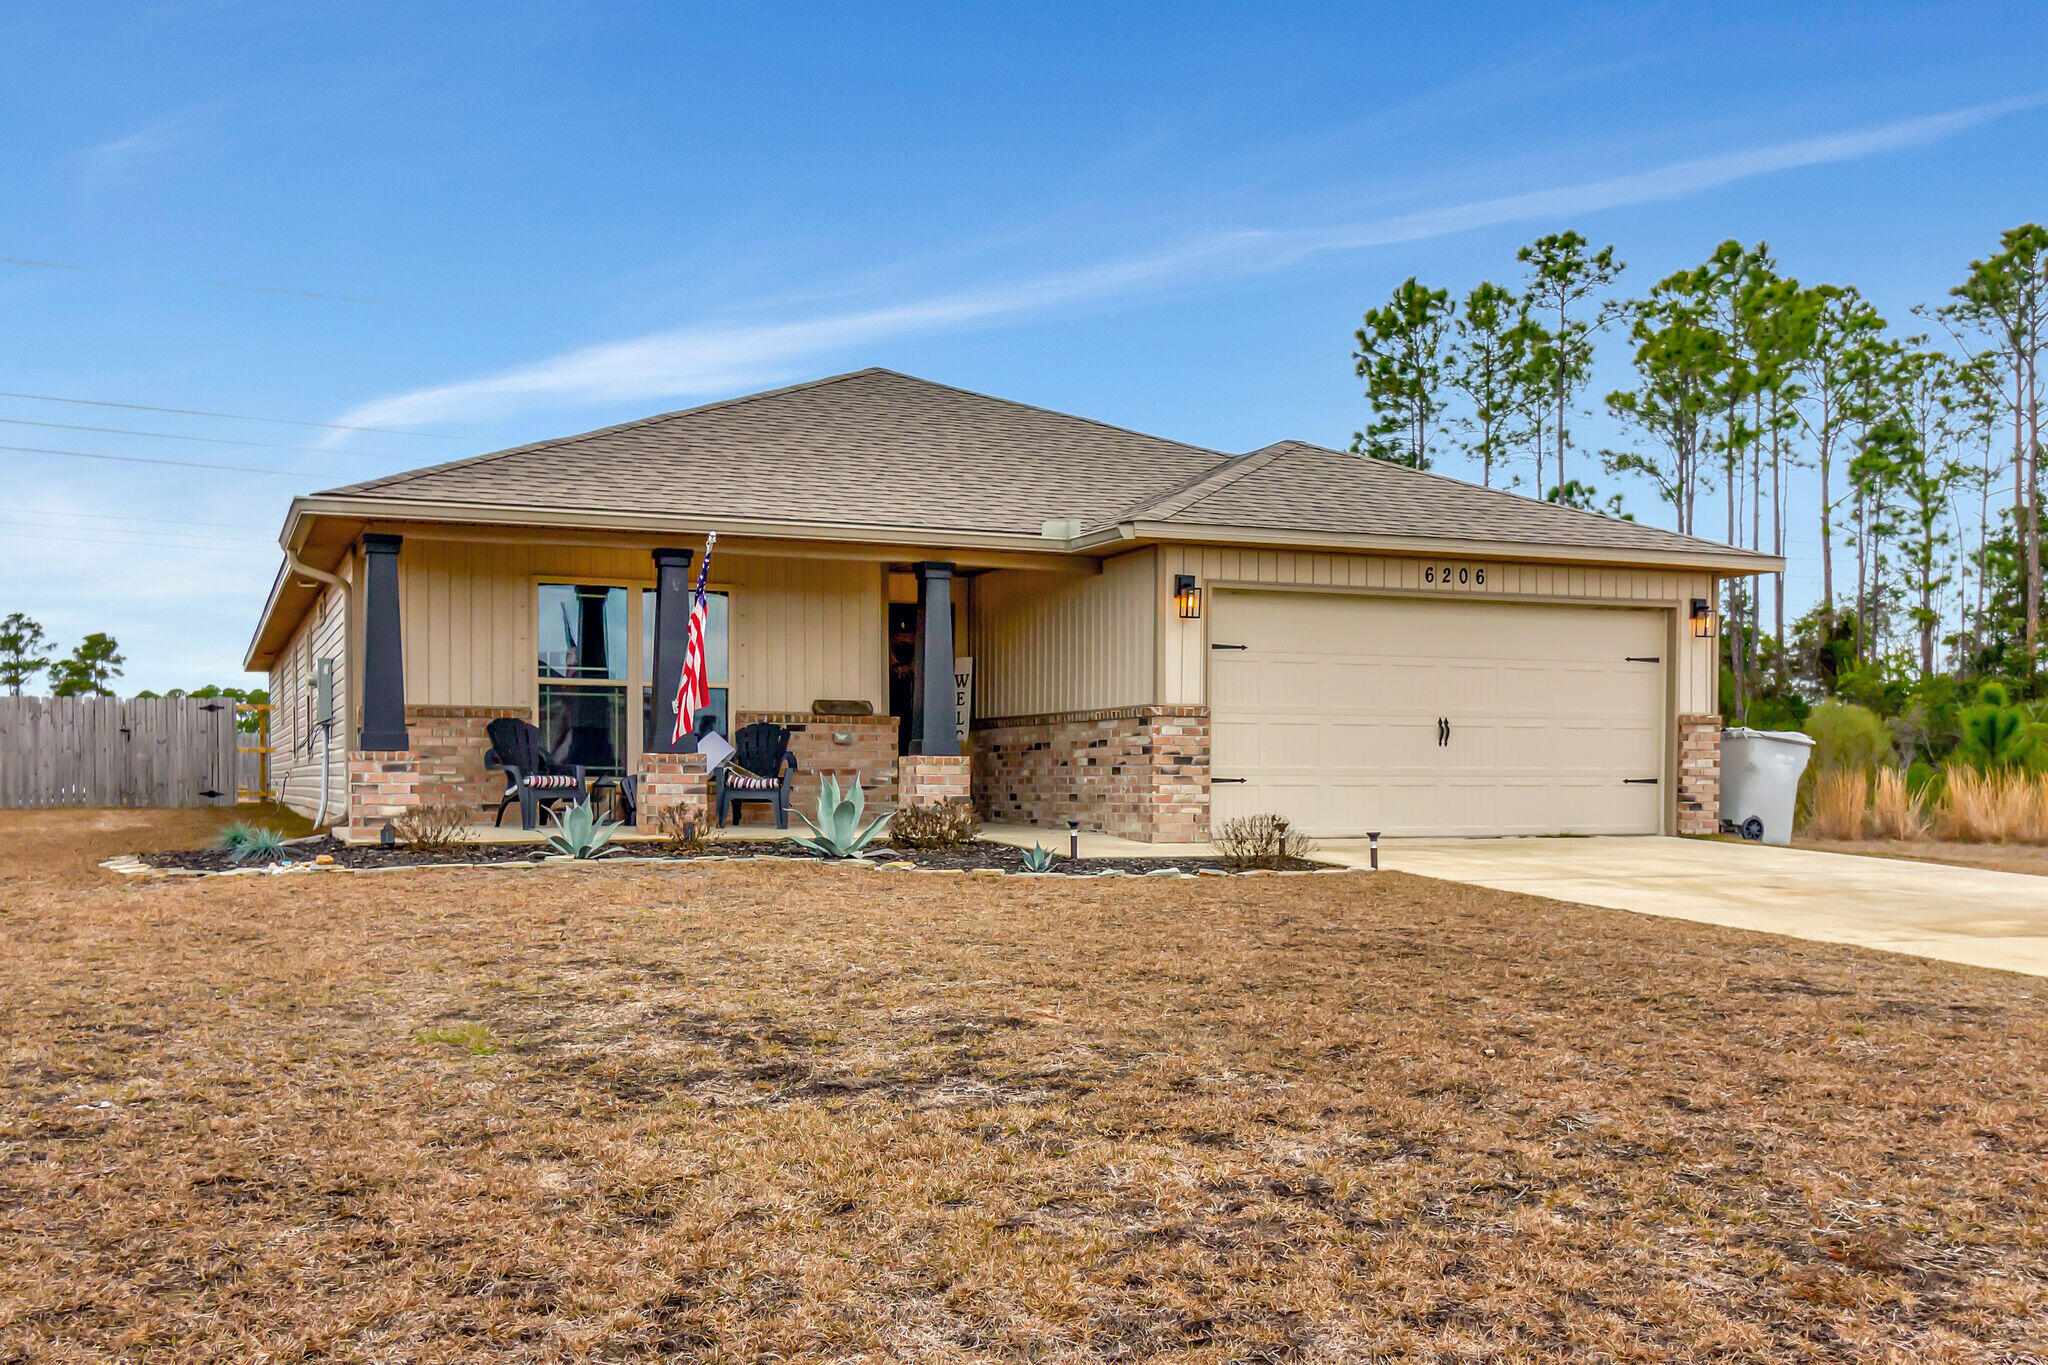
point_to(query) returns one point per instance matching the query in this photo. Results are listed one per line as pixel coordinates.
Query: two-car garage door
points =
(1350, 714)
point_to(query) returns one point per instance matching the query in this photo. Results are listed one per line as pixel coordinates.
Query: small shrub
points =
(946, 825)
(1848, 736)
(1038, 858)
(1839, 798)
(431, 829)
(1896, 810)
(685, 833)
(1260, 841)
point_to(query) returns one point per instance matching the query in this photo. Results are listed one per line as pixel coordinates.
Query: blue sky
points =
(495, 223)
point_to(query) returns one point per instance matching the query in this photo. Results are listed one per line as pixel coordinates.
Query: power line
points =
(156, 521)
(150, 459)
(230, 416)
(40, 521)
(142, 544)
(181, 436)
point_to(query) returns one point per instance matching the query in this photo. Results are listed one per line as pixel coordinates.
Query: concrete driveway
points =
(1957, 914)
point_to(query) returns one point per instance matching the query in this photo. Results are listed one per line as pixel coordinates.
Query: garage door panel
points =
(1330, 714)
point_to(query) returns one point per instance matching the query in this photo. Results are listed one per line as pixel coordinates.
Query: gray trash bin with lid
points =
(1760, 781)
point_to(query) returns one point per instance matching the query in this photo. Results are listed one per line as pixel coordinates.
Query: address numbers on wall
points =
(1454, 575)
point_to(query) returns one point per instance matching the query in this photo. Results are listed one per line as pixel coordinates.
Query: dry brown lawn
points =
(794, 1113)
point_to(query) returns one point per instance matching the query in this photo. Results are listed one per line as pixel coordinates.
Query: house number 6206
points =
(1463, 576)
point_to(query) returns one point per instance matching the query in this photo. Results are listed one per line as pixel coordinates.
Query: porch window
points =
(716, 655)
(584, 658)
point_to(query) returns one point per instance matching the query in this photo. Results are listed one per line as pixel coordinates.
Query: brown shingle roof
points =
(872, 448)
(1295, 486)
(885, 450)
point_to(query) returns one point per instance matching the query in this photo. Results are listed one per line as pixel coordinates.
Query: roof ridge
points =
(1213, 480)
(1049, 412)
(404, 475)
(1499, 492)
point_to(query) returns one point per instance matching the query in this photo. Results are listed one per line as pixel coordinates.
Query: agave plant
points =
(579, 833)
(838, 829)
(1038, 858)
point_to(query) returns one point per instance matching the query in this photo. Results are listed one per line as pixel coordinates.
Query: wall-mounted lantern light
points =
(1187, 598)
(1706, 622)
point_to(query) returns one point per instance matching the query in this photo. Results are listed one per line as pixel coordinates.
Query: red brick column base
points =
(932, 779)
(673, 781)
(1141, 772)
(448, 747)
(850, 748)
(382, 785)
(1699, 774)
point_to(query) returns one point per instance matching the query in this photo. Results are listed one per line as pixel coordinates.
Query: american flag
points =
(693, 691)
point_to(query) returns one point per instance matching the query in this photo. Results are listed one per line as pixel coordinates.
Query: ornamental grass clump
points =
(1840, 797)
(251, 844)
(1896, 811)
(1993, 808)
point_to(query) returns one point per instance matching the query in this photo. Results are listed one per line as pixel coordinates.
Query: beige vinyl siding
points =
(1183, 645)
(294, 738)
(1048, 642)
(802, 629)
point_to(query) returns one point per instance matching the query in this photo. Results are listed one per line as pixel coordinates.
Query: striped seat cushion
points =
(751, 782)
(552, 780)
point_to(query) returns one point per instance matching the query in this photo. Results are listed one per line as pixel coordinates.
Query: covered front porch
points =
(886, 666)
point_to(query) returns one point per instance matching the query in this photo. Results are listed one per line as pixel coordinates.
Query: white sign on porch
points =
(963, 696)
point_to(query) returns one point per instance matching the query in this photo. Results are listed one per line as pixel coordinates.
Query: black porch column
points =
(383, 648)
(933, 720)
(671, 642)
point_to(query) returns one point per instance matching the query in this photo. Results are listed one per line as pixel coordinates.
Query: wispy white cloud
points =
(118, 161)
(712, 358)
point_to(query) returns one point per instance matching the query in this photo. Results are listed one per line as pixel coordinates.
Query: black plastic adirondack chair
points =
(531, 778)
(761, 753)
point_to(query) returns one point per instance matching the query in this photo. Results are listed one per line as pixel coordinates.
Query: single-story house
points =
(947, 594)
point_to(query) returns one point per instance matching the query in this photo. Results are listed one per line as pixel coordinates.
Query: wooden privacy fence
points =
(102, 751)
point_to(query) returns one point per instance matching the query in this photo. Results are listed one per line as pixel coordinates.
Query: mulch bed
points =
(977, 856)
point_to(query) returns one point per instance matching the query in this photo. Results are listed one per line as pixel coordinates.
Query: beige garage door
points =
(1424, 716)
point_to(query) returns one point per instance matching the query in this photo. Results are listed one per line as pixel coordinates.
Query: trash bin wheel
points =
(1753, 830)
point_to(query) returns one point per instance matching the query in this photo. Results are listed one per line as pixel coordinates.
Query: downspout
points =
(298, 565)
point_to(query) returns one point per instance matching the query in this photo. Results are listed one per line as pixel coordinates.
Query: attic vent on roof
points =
(1060, 528)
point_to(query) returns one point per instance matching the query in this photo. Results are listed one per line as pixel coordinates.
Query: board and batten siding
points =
(1184, 645)
(295, 738)
(801, 629)
(1052, 642)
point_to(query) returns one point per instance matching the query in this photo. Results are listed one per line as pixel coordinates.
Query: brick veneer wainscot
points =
(1141, 772)
(383, 784)
(448, 748)
(1699, 774)
(673, 780)
(868, 755)
(933, 779)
